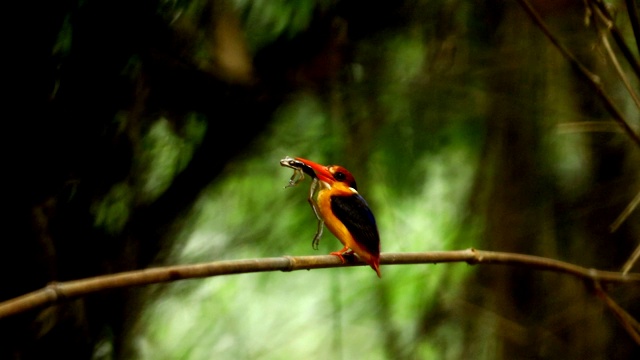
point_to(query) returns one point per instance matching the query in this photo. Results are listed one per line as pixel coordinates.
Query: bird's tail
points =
(375, 265)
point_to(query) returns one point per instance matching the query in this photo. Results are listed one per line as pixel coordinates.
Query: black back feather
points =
(355, 214)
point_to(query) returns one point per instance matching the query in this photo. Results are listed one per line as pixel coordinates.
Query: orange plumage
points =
(337, 203)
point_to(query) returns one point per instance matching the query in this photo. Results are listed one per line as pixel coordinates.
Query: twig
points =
(632, 9)
(612, 56)
(632, 260)
(64, 291)
(588, 126)
(617, 36)
(627, 321)
(625, 213)
(591, 78)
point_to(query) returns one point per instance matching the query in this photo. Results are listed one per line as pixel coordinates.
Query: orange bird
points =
(337, 204)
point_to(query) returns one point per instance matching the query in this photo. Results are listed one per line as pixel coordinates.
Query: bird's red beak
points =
(322, 172)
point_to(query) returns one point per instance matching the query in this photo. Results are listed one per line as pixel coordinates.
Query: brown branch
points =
(632, 10)
(625, 213)
(617, 36)
(632, 260)
(590, 77)
(627, 321)
(601, 18)
(64, 291)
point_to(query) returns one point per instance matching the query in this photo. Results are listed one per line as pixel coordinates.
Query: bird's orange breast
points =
(337, 226)
(334, 224)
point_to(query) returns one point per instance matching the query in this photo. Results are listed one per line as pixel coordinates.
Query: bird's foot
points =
(345, 255)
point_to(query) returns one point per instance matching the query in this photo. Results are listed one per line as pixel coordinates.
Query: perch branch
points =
(64, 291)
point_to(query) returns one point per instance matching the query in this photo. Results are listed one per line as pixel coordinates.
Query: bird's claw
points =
(342, 254)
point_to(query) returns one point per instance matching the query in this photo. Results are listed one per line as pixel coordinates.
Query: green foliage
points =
(267, 21)
(166, 152)
(113, 211)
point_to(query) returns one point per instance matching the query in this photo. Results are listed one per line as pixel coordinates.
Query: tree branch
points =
(64, 291)
(625, 213)
(631, 325)
(617, 36)
(632, 9)
(600, 19)
(590, 77)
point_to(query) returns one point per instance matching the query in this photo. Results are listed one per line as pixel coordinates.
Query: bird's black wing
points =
(355, 214)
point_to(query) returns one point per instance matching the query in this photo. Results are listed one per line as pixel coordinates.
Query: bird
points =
(337, 205)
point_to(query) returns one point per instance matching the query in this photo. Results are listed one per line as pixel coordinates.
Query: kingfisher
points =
(337, 205)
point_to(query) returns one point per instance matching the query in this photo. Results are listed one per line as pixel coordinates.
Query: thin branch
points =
(612, 56)
(591, 78)
(632, 9)
(627, 321)
(617, 36)
(625, 213)
(587, 127)
(64, 291)
(632, 260)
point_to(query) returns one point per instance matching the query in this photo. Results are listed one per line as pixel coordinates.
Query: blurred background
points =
(149, 133)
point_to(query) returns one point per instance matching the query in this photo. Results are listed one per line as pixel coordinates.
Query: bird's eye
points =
(340, 176)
